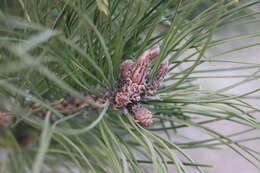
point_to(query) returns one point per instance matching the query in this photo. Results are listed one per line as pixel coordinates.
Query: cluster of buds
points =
(134, 87)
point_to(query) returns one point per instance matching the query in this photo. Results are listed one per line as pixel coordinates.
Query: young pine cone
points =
(134, 87)
(142, 115)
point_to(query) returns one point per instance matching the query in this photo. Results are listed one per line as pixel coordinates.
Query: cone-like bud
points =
(148, 55)
(142, 115)
(125, 68)
(158, 77)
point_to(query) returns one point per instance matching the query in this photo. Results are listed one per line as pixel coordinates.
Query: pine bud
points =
(142, 115)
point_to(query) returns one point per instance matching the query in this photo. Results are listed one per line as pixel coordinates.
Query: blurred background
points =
(227, 161)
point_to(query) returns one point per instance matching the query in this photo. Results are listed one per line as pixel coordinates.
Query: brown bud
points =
(142, 115)
(125, 68)
(148, 55)
(159, 77)
(162, 72)
(139, 72)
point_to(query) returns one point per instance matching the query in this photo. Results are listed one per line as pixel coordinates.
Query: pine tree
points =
(108, 85)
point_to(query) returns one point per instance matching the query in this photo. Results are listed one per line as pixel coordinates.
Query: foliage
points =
(61, 49)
